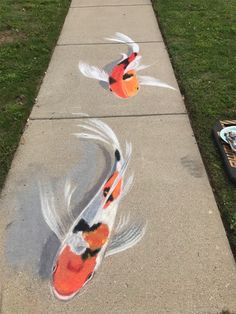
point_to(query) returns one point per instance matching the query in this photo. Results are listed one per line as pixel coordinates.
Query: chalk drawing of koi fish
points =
(123, 80)
(89, 239)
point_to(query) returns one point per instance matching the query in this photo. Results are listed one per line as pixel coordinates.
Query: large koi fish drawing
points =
(89, 238)
(123, 81)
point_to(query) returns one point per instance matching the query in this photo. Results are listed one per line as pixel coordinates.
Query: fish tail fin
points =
(97, 130)
(122, 38)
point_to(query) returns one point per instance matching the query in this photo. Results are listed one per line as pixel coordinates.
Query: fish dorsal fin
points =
(68, 192)
(93, 72)
(142, 67)
(127, 186)
(48, 208)
(126, 236)
(124, 56)
(152, 81)
(133, 64)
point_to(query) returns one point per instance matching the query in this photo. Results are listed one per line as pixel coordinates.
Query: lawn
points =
(200, 38)
(28, 34)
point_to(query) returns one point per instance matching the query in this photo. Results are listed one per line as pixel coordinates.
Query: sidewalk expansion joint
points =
(1, 299)
(110, 116)
(111, 5)
(97, 44)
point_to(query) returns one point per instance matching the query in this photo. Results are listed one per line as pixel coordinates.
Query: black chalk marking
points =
(83, 226)
(126, 76)
(105, 191)
(117, 155)
(110, 199)
(94, 227)
(125, 62)
(89, 253)
(89, 276)
(111, 80)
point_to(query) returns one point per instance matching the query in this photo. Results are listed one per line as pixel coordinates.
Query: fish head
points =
(130, 83)
(126, 86)
(71, 272)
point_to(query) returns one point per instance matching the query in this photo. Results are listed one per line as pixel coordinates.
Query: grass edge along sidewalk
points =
(28, 34)
(199, 36)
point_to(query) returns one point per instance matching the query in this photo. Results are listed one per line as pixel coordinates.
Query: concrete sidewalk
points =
(184, 263)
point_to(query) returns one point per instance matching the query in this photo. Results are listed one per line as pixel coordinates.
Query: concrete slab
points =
(72, 92)
(91, 25)
(183, 264)
(92, 3)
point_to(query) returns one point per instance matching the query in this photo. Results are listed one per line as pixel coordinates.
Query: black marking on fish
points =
(94, 227)
(112, 80)
(54, 268)
(125, 62)
(127, 76)
(89, 253)
(110, 198)
(83, 226)
(106, 190)
(117, 155)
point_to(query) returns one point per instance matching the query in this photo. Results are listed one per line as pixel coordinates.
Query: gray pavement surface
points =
(184, 263)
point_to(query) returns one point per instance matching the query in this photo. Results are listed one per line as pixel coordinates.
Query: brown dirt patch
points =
(10, 36)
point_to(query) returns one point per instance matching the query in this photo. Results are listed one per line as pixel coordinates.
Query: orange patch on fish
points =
(116, 192)
(97, 238)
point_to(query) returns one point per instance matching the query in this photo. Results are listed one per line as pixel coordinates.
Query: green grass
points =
(28, 34)
(200, 36)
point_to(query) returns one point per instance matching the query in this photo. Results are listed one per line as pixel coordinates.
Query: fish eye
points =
(89, 276)
(54, 268)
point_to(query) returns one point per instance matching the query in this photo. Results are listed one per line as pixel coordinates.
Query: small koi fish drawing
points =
(89, 238)
(123, 80)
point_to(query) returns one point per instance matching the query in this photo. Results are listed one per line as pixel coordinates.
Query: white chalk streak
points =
(122, 38)
(152, 81)
(126, 238)
(93, 72)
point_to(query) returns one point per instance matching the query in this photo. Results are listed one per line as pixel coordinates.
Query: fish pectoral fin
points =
(152, 81)
(134, 65)
(127, 237)
(127, 186)
(93, 72)
(49, 212)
